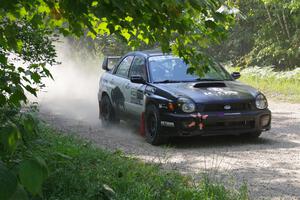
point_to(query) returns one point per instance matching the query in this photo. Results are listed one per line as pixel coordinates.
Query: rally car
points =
(156, 90)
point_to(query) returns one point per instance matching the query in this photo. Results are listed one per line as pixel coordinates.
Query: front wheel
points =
(107, 114)
(152, 126)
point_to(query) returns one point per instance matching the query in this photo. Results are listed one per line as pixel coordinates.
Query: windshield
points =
(173, 69)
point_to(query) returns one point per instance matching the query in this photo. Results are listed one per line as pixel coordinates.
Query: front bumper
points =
(216, 123)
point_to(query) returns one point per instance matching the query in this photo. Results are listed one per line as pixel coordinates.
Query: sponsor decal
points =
(136, 96)
(232, 113)
(136, 101)
(162, 106)
(167, 124)
(227, 107)
(140, 94)
(222, 114)
(150, 89)
(220, 91)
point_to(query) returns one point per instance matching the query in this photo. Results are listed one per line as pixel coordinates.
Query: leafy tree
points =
(27, 30)
(267, 33)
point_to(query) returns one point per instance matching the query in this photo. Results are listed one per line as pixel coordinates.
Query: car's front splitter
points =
(216, 123)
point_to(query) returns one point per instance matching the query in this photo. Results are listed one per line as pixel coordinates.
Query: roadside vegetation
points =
(28, 32)
(264, 33)
(78, 170)
(281, 85)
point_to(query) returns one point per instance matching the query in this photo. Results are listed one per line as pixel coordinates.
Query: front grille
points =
(241, 106)
(230, 125)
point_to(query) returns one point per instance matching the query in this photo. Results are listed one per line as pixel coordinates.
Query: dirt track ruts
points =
(269, 165)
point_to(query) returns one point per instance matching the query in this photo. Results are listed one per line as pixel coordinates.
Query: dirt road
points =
(270, 165)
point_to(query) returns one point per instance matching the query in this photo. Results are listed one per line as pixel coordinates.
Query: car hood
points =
(212, 91)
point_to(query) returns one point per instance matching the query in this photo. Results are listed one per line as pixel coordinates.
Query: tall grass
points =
(78, 170)
(282, 85)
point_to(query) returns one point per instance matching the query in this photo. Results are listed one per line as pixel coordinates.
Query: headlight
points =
(186, 105)
(261, 102)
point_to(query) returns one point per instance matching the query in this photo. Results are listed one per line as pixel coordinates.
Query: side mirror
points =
(109, 62)
(137, 79)
(236, 75)
(105, 64)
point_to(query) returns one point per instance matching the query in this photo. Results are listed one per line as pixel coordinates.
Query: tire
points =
(153, 129)
(107, 114)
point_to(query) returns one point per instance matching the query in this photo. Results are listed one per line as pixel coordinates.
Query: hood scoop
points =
(208, 85)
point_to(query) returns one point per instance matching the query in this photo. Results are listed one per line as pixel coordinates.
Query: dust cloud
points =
(73, 93)
(70, 101)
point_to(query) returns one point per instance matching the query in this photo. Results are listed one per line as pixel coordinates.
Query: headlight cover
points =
(261, 102)
(186, 105)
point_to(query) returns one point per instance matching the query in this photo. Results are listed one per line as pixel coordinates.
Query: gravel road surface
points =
(269, 165)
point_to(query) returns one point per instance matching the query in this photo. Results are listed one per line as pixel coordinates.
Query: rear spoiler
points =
(109, 62)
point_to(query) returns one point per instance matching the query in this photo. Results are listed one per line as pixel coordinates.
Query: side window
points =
(124, 66)
(138, 67)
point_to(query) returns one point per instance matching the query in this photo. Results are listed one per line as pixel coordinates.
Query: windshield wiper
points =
(167, 81)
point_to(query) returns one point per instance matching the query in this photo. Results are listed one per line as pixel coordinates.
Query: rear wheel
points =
(152, 126)
(107, 114)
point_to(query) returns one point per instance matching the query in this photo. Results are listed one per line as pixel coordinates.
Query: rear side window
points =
(138, 67)
(124, 66)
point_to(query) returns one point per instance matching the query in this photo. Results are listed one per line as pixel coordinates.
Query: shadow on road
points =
(225, 141)
(268, 140)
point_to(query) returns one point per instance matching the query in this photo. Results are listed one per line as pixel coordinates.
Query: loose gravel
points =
(269, 165)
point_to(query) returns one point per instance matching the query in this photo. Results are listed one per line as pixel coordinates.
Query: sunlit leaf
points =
(129, 19)
(9, 137)
(125, 34)
(36, 77)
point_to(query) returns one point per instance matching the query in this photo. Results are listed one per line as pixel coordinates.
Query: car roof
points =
(149, 53)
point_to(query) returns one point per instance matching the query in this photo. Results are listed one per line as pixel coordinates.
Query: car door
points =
(136, 101)
(120, 85)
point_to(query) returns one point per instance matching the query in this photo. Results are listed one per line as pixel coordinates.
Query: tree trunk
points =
(286, 24)
(278, 10)
(270, 19)
(280, 23)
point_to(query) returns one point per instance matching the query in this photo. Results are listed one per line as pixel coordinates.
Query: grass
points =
(283, 86)
(78, 170)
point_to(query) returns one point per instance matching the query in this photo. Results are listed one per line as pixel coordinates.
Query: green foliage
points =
(28, 29)
(266, 33)
(19, 167)
(8, 183)
(78, 170)
(283, 85)
(32, 173)
(185, 27)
